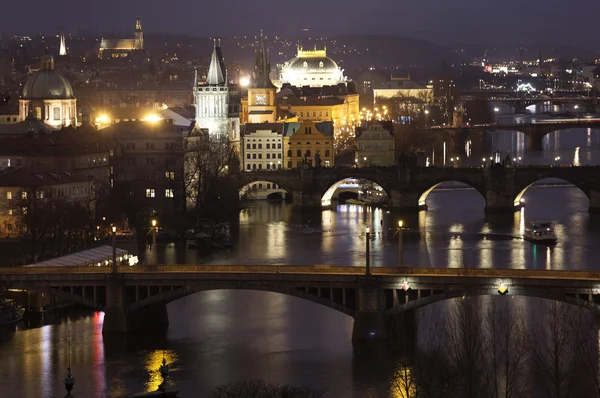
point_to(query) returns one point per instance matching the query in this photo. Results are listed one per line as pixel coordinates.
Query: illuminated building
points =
(48, 96)
(215, 112)
(312, 68)
(308, 141)
(63, 46)
(262, 106)
(375, 145)
(118, 48)
(263, 146)
(403, 88)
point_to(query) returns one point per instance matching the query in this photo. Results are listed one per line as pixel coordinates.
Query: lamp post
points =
(400, 244)
(114, 247)
(368, 253)
(154, 228)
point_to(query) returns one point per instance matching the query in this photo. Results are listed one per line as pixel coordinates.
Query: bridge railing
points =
(400, 272)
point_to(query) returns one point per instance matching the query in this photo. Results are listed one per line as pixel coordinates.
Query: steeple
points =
(216, 71)
(63, 46)
(262, 67)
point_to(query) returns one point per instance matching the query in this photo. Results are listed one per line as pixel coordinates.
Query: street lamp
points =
(154, 228)
(400, 244)
(114, 247)
(368, 252)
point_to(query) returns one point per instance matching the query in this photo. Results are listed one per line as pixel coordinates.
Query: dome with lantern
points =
(312, 68)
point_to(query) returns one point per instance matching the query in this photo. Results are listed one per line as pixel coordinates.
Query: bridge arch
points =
(350, 183)
(334, 298)
(422, 203)
(550, 180)
(260, 185)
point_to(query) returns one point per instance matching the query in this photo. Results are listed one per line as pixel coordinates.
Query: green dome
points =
(47, 84)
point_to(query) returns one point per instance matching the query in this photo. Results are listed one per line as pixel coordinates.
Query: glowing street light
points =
(400, 244)
(368, 252)
(152, 118)
(154, 228)
(245, 81)
(502, 289)
(114, 249)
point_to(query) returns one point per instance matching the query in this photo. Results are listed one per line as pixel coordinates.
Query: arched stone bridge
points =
(407, 188)
(135, 298)
(535, 132)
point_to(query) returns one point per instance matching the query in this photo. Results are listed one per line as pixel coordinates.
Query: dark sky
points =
(443, 21)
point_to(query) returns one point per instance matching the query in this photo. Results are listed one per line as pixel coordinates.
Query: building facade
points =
(312, 68)
(215, 112)
(48, 96)
(376, 145)
(308, 142)
(263, 146)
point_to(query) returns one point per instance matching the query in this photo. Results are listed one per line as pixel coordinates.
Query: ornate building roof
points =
(262, 68)
(47, 84)
(312, 68)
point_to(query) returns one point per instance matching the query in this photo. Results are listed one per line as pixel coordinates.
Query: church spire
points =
(216, 70)
(63, 46)
(262, 67)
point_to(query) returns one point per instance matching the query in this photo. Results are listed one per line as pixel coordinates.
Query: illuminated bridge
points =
(135, 298)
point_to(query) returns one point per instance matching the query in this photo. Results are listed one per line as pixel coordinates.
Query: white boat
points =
(540, 232)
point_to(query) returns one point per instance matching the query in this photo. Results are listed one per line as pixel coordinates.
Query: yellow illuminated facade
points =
(121, 47)
(303, 141)
(262, 105)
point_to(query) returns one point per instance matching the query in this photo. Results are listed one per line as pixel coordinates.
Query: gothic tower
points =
(139, 35)
(212, 100)
(262, 105)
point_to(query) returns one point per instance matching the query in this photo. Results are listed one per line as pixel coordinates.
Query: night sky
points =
(444, 21)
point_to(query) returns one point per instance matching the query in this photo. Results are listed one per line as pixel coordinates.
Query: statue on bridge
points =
(318, 159)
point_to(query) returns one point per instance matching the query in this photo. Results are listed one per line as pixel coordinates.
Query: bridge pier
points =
(404, 201)
(535, 141)
(594, 196)
(306, 199)
(499, 192)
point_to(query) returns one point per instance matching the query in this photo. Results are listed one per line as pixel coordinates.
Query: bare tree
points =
(506, 361)
(552, 343)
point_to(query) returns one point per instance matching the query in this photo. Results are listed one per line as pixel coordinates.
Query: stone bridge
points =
(407, 188)
(457, 137)
(135, 298)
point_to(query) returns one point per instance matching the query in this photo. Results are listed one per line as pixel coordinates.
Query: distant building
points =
(21, 183)
(182, 116)
(262, 103)
(312, 68)
(118, 48)
(48, 96)
(262, 146)
(375, 145)
(308, 142)
(403, 88)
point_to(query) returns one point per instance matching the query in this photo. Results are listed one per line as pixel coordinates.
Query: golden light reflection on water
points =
(153, 361)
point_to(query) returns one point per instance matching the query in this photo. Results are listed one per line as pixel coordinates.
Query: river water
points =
(225, 336)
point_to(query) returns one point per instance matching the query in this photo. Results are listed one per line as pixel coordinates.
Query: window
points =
(131, 161)
(152, 145)
(170, 175)
(253, 146)
(308, 153)
(279, 166)
(268, 146)
(278, 146)
(9, 195)
(260, 155)
(147, 145)
(9, 227)
(248, 156)
(247, 146)
(289, 153)
(268, 156)
(279, 156)
(314, 114)
(253, 156)
(10, 212)
(289, 164)
(150, 161)
(308, 130)
(56, 113)
(260, 166)
(299, 153)
(268, 166)
(254, 167)
(248, 167)
(19, 163)
(150, 193)
(320, 114)
(169, 193)
(23, 195)
(326, 113)
(259, 146)
(326, 153)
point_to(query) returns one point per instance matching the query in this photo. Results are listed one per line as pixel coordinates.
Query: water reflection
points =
(153, 361)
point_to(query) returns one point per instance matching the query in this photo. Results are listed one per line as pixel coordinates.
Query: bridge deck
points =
(95, 272)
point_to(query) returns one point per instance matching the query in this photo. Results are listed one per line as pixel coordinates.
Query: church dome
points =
(321, 64)
(47, 84)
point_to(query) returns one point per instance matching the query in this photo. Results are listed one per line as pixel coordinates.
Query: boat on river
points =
(540, 232)
(10, 313)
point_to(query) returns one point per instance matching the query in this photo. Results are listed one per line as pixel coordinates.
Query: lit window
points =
(9, 195)
(169, 193)
(150, 193)
(23, 195)
(10, 212)
(170, 175)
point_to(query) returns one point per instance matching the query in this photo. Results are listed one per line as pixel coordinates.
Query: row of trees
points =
(490, 350)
